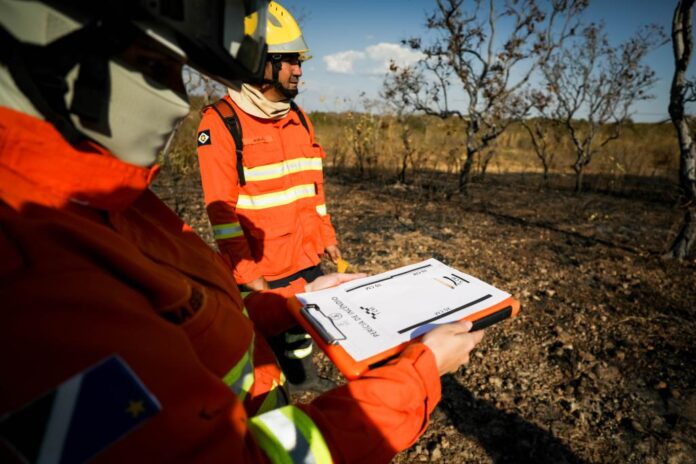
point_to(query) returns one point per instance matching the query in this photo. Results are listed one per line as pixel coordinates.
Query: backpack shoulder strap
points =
(229, 117)
(300, 114)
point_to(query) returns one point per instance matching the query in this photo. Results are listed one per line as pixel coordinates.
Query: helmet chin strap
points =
(276, 64)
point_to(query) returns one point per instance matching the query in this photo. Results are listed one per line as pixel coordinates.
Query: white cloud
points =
(374, 60)
(342, 62)
(382, 54)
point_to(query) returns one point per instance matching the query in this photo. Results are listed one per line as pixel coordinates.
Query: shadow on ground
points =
(506, 437)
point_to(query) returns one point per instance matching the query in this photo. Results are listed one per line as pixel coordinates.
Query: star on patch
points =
(81, 417)
(204, 137)
(135, 408)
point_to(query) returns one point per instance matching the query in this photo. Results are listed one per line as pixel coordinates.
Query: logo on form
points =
(370, 311)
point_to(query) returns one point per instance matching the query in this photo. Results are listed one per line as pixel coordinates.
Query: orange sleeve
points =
(218, 165)
(385, 411)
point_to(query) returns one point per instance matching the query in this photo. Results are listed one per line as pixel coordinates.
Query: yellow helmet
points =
(283, 34)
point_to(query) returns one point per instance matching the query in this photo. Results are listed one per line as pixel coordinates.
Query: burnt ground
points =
(600, 366)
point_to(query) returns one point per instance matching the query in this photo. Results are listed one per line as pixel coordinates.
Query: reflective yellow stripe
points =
(270, 402)
(321, 210)
(230, 230)
(241, 377)
(276, 170)
(288, 435)
(276, 398)
(269, 200)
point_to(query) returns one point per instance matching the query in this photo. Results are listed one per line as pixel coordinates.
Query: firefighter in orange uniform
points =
(124, 338)
(261, 169)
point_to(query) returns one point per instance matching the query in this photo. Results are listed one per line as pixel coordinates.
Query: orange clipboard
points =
(352, 369)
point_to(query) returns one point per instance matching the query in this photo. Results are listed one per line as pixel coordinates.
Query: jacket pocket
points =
(276, 247)
(262, 154)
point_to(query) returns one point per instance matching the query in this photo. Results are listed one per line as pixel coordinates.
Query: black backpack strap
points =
(229, 117)
(300, 114)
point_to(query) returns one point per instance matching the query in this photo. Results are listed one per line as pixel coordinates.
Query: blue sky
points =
(352, 40)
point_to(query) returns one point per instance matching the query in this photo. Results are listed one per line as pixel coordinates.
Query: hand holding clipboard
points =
(363, 322)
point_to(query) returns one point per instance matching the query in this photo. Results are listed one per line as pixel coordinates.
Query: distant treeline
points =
(377, 143)
(402, 149)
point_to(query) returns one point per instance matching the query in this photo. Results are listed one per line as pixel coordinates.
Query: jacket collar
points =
(58, 174)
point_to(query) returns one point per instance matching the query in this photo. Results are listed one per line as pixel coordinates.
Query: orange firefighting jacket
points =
(276, 224)
(94, 265)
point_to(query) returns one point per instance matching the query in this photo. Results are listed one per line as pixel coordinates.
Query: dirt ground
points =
(599, 367)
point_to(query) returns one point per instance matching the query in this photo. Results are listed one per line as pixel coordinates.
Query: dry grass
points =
(379, 146)
(648, 150)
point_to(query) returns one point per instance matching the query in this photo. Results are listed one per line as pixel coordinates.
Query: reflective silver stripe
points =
(230, 230)
(296, 45)
(291, 337)
(298, 353)
(284, 168)
(51, 450)
(288, 435)
(270, 200)
(241, 377)
(321, 210)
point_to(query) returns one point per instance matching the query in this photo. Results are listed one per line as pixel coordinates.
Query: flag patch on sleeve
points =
(204, 137)
(82, 416)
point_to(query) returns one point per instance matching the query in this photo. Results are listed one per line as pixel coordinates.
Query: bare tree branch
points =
(491, 69)
(594, 86)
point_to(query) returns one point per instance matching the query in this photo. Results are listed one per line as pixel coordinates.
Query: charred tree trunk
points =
(579, 179)
(486, 158)
(408, 150)
(465, 171)
(682, 46)
(579, 168)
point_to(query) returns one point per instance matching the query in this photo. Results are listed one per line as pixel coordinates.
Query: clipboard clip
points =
(323, 324)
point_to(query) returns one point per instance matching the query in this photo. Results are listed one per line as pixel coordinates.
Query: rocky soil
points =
(600, 366)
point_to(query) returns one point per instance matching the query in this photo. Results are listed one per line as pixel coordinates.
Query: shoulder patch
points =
(204, 138)
(82, 416)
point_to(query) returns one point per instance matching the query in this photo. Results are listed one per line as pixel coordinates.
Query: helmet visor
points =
(224, 39)
(246, 46)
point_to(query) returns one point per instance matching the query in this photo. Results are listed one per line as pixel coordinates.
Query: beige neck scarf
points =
(253, 102)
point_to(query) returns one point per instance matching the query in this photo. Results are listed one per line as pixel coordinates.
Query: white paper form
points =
(370, 315)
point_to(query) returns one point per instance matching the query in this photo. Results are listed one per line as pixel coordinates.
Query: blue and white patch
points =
(81, 417)
(204, 138)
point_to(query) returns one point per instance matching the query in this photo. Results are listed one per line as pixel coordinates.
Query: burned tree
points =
(542, 130)
(470, 56)
(595, 86)
(682, 92)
